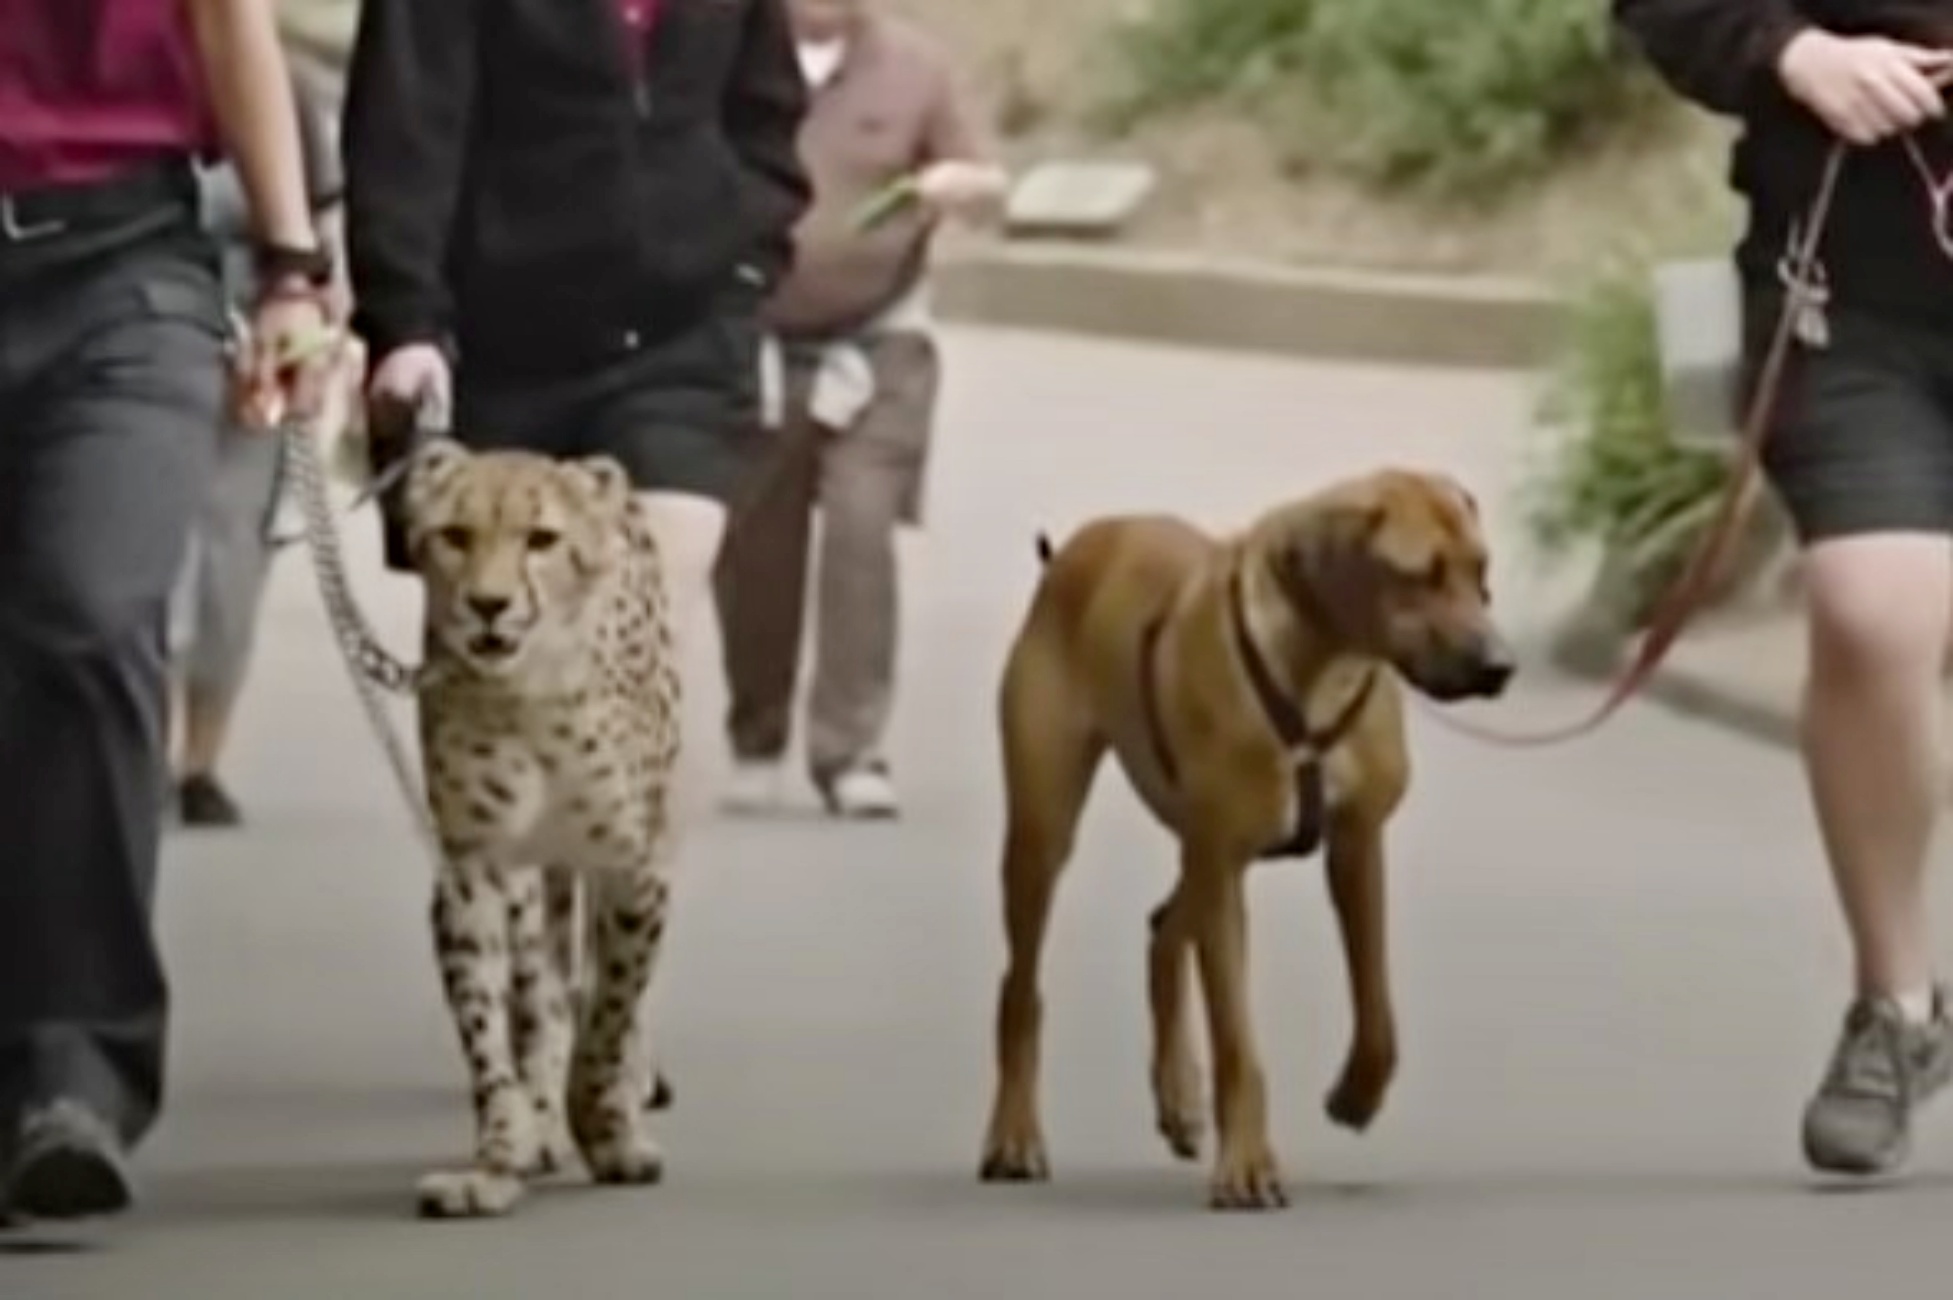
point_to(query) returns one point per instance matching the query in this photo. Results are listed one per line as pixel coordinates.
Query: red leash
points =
(1683, 600)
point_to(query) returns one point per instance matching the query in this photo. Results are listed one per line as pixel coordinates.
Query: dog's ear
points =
(1328, 564)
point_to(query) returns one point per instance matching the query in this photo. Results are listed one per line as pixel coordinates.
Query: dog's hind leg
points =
(1176, 1071)
(1051, 752)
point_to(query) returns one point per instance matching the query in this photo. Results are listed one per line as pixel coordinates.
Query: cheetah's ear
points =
(433, 465)
(609, 484)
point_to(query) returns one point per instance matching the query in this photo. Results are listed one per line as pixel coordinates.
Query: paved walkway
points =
(1615, 966)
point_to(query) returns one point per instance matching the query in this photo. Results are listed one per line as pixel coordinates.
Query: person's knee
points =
(1880, 609)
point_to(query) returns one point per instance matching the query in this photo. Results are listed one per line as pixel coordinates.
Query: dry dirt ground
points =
(1040, 65)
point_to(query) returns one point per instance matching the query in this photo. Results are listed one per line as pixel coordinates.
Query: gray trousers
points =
(214, 618)
(865, 482)
(111, 387)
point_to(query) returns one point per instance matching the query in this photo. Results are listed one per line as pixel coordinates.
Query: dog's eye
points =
(1436, 575)
(456, 536)
(543, 539)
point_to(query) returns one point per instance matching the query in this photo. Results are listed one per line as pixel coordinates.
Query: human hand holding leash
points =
(1866, 89)
(415, 377)
(284, 356)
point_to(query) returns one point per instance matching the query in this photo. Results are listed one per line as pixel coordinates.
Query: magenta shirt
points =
(90, 88)
(640, 16)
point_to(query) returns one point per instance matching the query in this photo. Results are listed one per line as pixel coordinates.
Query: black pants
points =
(680, 413)
(111, 384)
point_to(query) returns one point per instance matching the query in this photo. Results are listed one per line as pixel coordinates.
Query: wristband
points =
(276, 262)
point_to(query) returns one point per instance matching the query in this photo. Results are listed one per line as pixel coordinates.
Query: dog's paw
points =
(468, 1194)
(1179, 1116)
(1016, 1157)
(1247, 1181)
(1183, 1129)
(1359, 1094)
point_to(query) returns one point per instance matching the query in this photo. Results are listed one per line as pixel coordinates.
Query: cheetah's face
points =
(512, 547)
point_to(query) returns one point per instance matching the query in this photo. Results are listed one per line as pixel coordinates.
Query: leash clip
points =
(1807, 291)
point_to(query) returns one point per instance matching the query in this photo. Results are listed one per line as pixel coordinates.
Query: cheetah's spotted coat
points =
(549, 730)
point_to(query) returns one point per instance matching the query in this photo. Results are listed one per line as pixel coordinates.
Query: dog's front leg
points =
(1357, 889)
(1246, 1174)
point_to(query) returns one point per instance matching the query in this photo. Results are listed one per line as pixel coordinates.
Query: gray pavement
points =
(1616, 966)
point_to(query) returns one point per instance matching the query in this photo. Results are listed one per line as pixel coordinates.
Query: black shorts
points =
(680, 413)
(1862, 436)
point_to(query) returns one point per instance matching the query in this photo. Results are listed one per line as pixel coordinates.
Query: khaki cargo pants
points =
(865, 481)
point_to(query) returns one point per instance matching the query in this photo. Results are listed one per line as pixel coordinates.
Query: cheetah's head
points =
(514, 548)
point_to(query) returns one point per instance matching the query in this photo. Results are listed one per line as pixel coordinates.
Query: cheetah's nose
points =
(489, 608)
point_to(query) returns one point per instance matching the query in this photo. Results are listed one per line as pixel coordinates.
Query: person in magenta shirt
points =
(113, 375)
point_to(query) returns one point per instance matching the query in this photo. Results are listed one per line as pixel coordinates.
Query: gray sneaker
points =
(66, 1163)
(1860, 1122)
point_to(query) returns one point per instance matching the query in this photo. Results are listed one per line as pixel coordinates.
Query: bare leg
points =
(1871, 739)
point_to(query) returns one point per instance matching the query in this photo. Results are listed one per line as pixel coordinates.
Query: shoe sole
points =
(67, 1182)
(1849, 1165)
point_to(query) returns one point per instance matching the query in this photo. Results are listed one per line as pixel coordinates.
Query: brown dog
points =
(1248, 687)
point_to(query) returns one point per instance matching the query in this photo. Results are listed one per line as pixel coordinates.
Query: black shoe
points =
(67, 1164)
(201, 801)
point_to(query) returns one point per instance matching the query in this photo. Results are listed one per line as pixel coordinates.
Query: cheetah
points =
(549, 728)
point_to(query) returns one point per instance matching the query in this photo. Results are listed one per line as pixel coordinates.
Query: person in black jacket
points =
(1861, 453)
(579, 205)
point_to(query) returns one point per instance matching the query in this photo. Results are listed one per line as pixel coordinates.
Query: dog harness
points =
(1284, 716)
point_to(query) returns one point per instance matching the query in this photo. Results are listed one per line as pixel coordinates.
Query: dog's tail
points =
(1045, 549)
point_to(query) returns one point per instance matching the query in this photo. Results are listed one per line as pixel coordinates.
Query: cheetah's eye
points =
(543, 539)
(456, 536)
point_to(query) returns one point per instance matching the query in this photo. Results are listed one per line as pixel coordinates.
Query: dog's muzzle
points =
(1480, 669)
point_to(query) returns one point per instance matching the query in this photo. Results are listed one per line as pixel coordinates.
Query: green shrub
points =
(1613, 473)
(1466, 99)
(1187, 51)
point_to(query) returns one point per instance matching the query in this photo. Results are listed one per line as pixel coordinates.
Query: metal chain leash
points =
(373, 668)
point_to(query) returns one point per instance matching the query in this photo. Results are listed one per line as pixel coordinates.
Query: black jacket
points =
(514, 189)
(1878, 249)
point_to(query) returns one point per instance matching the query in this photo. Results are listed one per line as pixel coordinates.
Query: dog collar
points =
(1290, 724)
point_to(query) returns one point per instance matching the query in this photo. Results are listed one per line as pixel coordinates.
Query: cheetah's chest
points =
(581, 791)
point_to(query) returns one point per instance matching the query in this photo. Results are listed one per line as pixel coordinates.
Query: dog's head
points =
(513, 549)
(1394, 565)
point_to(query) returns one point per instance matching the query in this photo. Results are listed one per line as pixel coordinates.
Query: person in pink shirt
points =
(113, 378)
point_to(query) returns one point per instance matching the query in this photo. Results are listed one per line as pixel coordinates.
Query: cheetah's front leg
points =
(471, 938)
(542, 907)
(606, 1093)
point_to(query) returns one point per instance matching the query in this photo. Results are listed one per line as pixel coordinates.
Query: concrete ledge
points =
(1326, 313)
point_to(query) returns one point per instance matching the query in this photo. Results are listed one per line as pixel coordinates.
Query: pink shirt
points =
(90, 88)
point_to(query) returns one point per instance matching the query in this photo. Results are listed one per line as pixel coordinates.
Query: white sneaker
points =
(756, 787)
(863, 792)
